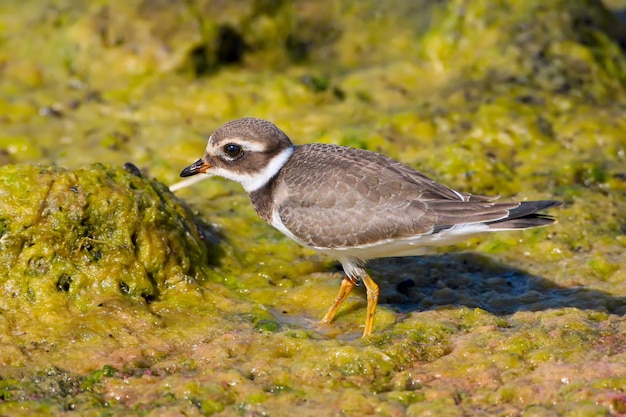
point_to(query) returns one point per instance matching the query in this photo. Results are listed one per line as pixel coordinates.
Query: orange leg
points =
(346, 288)
(372, 300)
(347, 285)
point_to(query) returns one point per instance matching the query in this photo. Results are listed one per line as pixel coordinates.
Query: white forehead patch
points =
(209, 147)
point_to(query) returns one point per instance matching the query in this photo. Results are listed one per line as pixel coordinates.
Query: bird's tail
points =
(526, 216)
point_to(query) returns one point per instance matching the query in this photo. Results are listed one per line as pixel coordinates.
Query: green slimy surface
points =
(119, 298)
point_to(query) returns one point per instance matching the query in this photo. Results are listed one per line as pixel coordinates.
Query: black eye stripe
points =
(233, 150)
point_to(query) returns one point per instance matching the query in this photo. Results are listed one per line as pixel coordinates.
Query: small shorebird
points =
(352, 204)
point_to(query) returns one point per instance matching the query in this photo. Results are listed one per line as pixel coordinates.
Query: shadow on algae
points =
(476, 281)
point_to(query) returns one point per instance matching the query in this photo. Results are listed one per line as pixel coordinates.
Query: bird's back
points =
(329, 196)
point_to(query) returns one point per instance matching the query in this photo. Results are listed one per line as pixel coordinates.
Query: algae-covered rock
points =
(89, 255)
(87, 235)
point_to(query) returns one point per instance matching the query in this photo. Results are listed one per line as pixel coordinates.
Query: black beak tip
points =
(192, 169)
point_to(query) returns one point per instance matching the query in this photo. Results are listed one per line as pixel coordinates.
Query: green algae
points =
(61, 229)
(519, 98)
(87, 256)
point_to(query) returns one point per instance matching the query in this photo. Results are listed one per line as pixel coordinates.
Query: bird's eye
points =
(233, 150)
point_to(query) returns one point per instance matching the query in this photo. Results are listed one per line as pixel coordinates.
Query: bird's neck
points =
(263, 201)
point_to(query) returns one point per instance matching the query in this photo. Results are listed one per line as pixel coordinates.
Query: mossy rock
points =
(79, 237)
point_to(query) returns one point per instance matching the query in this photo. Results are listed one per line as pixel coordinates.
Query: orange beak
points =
(198, 167)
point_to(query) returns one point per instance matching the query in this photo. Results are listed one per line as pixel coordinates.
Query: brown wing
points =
(333, 196)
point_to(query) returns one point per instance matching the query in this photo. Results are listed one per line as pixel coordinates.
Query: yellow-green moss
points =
(79, 237)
